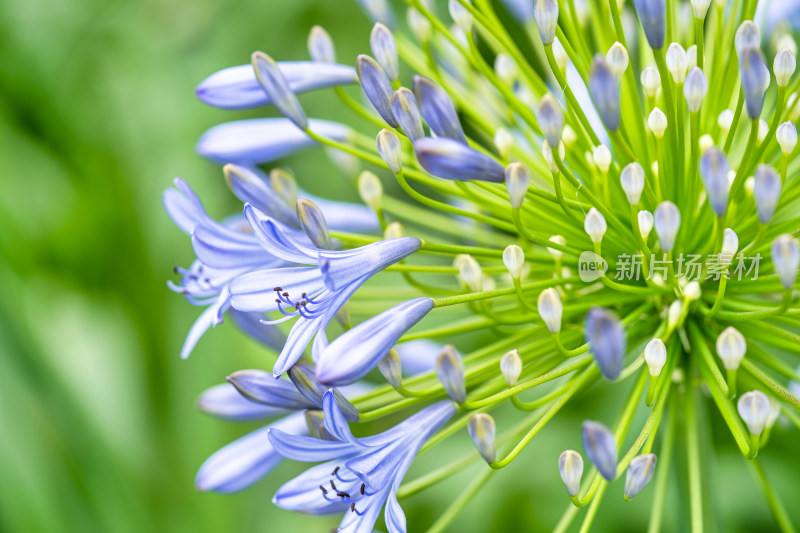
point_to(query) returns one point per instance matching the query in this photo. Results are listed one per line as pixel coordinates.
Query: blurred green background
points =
(98, 428)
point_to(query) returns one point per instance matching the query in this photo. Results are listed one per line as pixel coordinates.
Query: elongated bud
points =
(390, 150)
(691, 56)
(284, 185)
(452, 160)
(517, 180)
(747, 38)
(692, 291)
(550, 309)
(674, 313)
(667, 221)
(551, 119)
(783, 67)
(503, 141)
(303, 376)
(601, 448)
(313, 222)
(378, 11)
(695, 89)
(406, 113)
(755, 80)
(570, 466)
(677, 62)
(652, 15)
(395, 230)
(632, 180)
(730, 245)
(731, 347)
(469, 271)
(320, 46)
(275, 85)
(595, 225)
(547, 153)
(460, 15)
(315, 422)
(384, 48)
(376, 87)
(560, 55)
(700, 8)
(419, 24)
(785, 258)
(651, 81)
(604, 88)
(655, 355)
(370, 190)
(787, 137)
(606, 338)
(657, 122)
(645, 223)
(505, 68)
(639, 474)
(482, 430)
(754, 409)
(511, 367)
(546, 14)
(568, 136)
(714, 171)
(514, 259)
(557, 239)
(763, 130)
(437, 109)
(601, 156)
(774, 412)
(250, 187)
(617, 59)
(725, 121)
(450, 370)
(767, 192)
(391, 369)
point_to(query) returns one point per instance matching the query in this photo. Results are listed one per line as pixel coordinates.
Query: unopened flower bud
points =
(570, 466)
(390, 368)
(460, 15)
(419, 24)
(551, 119)
(747, 37)
(730, 245)
(274, 83)
(755, 77)
(786, 40)
(787, 137)
(655, 355)
(547, 153)
(774, 412)
(601, 156)
(767, 192)
(606, 337)
(558, 239)
(514, 259)
(645, 223)
(639, 474)
(303, 377)
(652, 15)
(370, 190)
(560, 54)
(505, 68)
(706, 141)
(632, 180)
(695, 89)
(783, 67)
(604, 88)
(482, 430)
(667, 221)
(674, 312)
(518, 177)
(754, 409)
(450, 371)
(568, 136)
(384, 49)
(601, 448)
(376, 86)
(390, 150)
(617, 59)
(692, 291)
(700, 8)
(714, 171)
(657, 122)
(595, 225)
(546, 14)
(550, 309)
(395, 230)
(313, 222)
(677, 62)
(511, 367)
(763, 130)
(406, 112)
(469, 271)
(785, 259)
(503, 140)
(731, 347)
(651, 81)
(320, 46)
(725, 121)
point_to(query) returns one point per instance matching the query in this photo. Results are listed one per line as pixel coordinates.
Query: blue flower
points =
(312, 293)
(358, 475)
(452, 160)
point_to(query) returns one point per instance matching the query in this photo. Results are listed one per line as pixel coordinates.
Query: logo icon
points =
(591, 267)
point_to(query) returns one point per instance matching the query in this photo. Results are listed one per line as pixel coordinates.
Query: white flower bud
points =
(420, 26)
(657, 122)
(550, 309)
(470, 271)
(763, 130)
(700, 8)
(370, 190)
(506, 68)
(511, 367)
(691, 56)
(674, 313)
(754, 409)
(730, 245)
(651, 81)
(395, 230)
(774, 412)
(695, 89)
(517, 180)
(558, 239)
(787, 137)
(570, 466)
(560, 54)
(667, 221)
(750, 185)
(503, 140)
(320, 46)
(595, 225)
(706, 141)
(783, 67)
(645, 223)
(390, 150)
(450, 371)
(731, 347)
(786, 41)
(725, 121)
(481, 428)
(655, 355)
(546, 14)
(514, 259)
(632, 181)
(692, 291)
(460, 16)
(677, 62)
(601, 156)
(547, 153)
(747, 37)
(568, 136)
(617, 59)
(785, 259)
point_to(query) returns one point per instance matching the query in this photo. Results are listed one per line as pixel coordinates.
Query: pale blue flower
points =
(452, 160)
(437, 109)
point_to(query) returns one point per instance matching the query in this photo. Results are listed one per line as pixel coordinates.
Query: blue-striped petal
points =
(342, 268)
(260, 386)
(224, 401)
(376, 86)
(277, 87)
(449, 159)
(607, 341)
(252, 187)
(437, 109)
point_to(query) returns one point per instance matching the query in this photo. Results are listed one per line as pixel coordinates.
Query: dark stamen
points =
(353, 507)
(342, 494)
(323, 489)
(335, 471)
(277, 289)
(363, 486)
(333, 486)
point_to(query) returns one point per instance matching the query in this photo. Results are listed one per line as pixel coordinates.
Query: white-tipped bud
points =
(505, 68)
(651, 81)
(667, 221)
(655, 355)
(546, 14)
(547, 153)
(518, 177)
(677, 62)
(482, 430)
(763, 130)
(488, 283)
(692, 291)
(558, 239)
(370, 190)
(560, 54)
(700, 8)
(384, 49)
(450, 371)
(390, 150)
(570, 466)
(731, 347)
(460, 15)
(774, 412)
(511, 367)
(550, 309)
(706, 141)
(754, 409)
(632, 181)
(595, 225)
(657, 122)
(645, 223)
(601, 156)
(749, 185)
(730, 245)
(785, 259)
(551, 119)
(674, 313)
(514, 259)
(568, 136)
(691, 56)
(320, 46)
(695, 89)
(786, 41)
(284, 185)
(617, 59)
(390, 369)
(725, 121)
(469, 271)
(420, 26)
(783, 67)
(747, 37)
(787, 137)
(504, 141)
(395, 230)
(639, 474)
